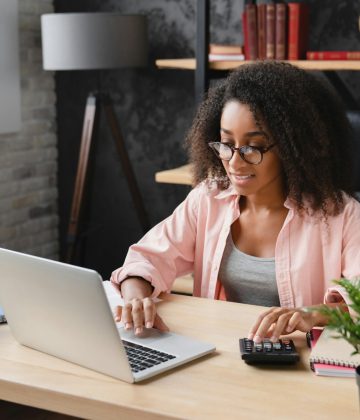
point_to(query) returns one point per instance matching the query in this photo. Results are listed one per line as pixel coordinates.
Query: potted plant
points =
(348, 326)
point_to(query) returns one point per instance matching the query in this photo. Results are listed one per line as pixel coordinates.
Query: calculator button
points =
(277, 346)
(267, 346)
(259, 347)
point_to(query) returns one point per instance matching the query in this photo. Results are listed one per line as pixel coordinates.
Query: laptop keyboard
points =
(142, 358)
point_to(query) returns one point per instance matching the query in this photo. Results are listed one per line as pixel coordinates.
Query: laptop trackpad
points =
(148, 336)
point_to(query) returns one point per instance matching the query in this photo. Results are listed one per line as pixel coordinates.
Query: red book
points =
(261, 30)
(333, 55)
(280, 31)
(245, 35)
(251, 29)
(298, 28)
(270, 30)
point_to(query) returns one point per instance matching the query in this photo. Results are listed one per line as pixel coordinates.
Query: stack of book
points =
(273, 29)
(228, 52)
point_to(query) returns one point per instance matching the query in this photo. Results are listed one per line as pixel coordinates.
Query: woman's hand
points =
(278, 321)
(139, 310)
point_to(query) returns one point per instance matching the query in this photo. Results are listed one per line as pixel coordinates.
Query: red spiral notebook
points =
(331, 356)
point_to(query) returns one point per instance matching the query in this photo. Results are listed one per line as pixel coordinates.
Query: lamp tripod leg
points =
(81, 176)
(126, 163)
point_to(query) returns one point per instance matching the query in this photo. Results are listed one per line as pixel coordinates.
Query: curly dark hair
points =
(302, 115)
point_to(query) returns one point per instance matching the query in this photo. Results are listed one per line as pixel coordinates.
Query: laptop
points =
(62, 310)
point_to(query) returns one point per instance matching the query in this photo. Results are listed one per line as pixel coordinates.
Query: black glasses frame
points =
(241, 150)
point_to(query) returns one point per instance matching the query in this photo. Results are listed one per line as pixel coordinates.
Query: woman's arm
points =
(166, 251)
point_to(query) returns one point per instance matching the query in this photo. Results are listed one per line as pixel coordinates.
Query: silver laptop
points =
(63, 310)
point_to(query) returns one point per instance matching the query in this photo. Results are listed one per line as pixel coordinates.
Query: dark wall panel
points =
(154, 108)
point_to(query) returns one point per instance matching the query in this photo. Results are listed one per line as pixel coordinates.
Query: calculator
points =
(266, 352)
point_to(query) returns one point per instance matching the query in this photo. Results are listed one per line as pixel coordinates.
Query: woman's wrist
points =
(320, 319)
(135, 287)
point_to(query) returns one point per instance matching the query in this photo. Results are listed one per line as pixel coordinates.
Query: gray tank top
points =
(248, 279)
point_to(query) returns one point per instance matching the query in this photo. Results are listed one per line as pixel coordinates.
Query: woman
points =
(271, 220)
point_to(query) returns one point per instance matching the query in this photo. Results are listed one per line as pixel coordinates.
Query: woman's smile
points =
(241, 179)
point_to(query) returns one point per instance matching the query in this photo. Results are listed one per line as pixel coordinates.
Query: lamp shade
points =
(89, 41)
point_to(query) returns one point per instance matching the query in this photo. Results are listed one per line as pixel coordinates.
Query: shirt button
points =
(215, 267)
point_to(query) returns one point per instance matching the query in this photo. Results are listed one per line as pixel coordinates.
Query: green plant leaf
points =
(341, 321)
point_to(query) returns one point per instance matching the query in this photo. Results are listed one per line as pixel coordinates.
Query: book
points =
(333, 55)
(226, 57)
(332, 356)
(280, 31)
(324, 369)
(261, 30)
(245, 35)
(270, 30)
(251, 31)
(226, 49)
(298, 28)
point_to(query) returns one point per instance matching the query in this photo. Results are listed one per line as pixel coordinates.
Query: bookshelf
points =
(325, 65)
(203, 69)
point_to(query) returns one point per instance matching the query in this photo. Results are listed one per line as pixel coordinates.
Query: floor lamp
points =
(95, 41)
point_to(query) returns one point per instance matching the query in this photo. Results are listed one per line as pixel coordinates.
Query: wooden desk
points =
(219, 386)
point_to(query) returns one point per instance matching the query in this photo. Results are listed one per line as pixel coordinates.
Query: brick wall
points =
(28, 159)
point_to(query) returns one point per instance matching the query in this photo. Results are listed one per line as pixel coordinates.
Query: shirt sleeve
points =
(350, 258)
(166, 251)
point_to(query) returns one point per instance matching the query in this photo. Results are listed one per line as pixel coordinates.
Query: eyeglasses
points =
(250, 154)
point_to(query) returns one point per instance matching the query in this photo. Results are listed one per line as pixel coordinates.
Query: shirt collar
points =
(289, 203)
(227, 193)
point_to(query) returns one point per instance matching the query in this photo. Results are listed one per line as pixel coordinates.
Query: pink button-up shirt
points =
(309, 253)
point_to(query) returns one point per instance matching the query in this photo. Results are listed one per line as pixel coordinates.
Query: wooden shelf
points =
(322, 65)
(180, 175)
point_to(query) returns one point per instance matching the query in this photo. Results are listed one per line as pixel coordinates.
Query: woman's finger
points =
(280, 326)
(301, 321)
(126, 316)
(258, 322)
(267, 321)
(137, 315)
(149, 312)
(117, 313)
(160, 324)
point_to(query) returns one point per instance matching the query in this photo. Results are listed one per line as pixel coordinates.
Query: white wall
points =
(9, 67)
(28, 158)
